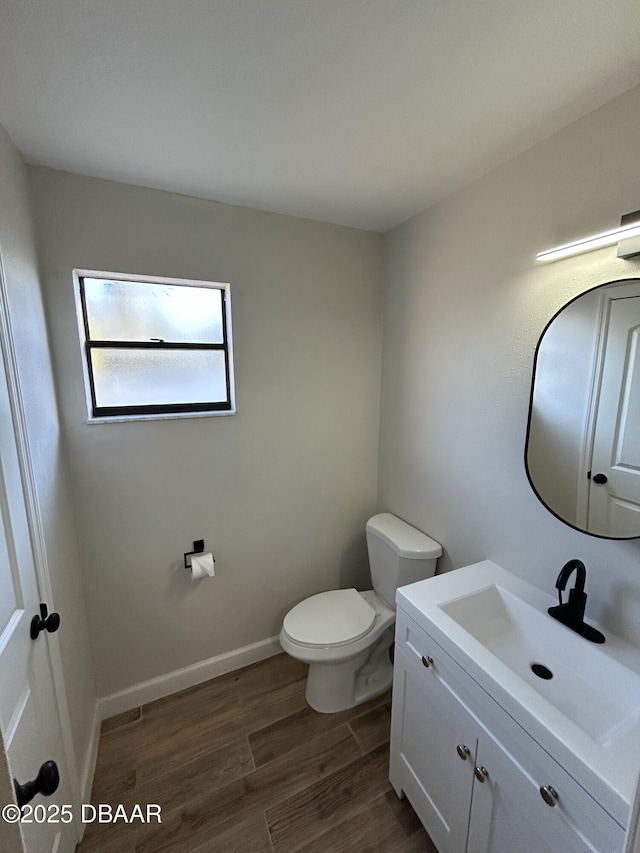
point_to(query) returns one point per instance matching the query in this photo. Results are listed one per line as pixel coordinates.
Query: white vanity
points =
(497, 759)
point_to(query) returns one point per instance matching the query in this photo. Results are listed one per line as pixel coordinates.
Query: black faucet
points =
(571, 613)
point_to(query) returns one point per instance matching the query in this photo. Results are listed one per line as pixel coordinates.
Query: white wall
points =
(18, 254)
(464, 305)
(280, 491)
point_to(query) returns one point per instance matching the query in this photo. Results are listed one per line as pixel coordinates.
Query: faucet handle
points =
(571, 614)
(566, 571)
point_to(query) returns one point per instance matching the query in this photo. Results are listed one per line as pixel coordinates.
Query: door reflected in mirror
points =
(583, 440)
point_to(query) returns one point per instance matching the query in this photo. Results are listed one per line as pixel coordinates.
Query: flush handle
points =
(427, 660)
(463, 751)
(549, 795)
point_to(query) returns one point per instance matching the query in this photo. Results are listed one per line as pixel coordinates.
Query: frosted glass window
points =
(155, 346)
(125, 377)
(139, 311)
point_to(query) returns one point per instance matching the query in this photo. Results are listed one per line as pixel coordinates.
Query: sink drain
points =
(541, 671)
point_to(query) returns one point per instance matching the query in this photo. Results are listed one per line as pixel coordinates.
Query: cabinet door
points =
(428, 727)
(509, 814)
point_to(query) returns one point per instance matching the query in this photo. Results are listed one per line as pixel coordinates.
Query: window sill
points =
(119, 419)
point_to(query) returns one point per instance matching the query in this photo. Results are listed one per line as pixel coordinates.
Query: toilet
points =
(346, 636)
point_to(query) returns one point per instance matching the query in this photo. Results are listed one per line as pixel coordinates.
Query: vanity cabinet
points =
(478, 782)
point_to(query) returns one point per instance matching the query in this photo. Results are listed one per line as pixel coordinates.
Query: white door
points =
(432, 752)
(29, 714)
(509, 815)
(614, 493)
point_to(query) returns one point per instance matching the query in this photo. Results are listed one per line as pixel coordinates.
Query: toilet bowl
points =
(335, 632)
(346, 636)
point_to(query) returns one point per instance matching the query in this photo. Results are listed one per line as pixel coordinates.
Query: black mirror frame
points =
(533, 384)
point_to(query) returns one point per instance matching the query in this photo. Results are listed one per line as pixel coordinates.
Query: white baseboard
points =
(180, 679)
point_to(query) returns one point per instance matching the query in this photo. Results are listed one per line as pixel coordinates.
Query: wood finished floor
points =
(241, 764)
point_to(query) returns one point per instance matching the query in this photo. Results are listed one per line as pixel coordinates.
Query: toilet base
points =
(333, 687)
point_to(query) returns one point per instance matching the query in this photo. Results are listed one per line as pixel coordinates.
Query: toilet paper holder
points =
(198, 548)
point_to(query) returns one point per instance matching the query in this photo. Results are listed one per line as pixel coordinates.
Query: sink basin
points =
(495, 627)
(599, 695)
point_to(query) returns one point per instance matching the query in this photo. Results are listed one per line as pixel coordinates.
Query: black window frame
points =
(220, 406)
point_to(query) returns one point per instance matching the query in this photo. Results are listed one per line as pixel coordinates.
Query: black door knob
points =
(599, 479)
(46, 621)
(45, 783)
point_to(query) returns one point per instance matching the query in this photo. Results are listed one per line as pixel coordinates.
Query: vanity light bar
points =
(587, 244)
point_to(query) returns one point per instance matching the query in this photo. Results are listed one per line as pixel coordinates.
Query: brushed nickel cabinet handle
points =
(427, 660)
(549, 795)
(463, 751)
(481, 773)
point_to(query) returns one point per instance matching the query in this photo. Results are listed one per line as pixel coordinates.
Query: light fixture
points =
(628, 230)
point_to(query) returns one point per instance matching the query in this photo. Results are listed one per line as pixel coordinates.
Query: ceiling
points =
(358, 112)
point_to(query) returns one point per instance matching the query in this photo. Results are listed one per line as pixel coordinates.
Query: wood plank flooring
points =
(241, 764)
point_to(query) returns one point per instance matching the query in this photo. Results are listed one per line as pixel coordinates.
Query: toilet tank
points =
(398, 554)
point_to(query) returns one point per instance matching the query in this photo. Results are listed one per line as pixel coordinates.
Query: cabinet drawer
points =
(414, 641)
(431, 663)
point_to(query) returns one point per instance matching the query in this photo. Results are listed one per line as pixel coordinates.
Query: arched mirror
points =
(583, 440)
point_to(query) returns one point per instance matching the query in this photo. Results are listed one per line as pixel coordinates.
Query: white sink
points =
(594, 691)
(587, 716)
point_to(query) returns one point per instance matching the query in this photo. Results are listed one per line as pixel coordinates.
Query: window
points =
(155, 346)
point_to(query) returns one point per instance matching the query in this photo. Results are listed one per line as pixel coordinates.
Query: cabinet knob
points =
(481, 773)
(427, 660)
(549, 795)
(463, 751)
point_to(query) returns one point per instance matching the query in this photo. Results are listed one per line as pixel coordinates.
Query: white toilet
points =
(346, 636)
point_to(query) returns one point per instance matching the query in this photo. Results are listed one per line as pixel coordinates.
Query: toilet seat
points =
(329, 619)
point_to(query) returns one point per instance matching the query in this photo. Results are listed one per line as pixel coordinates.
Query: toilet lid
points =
(329, 618)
